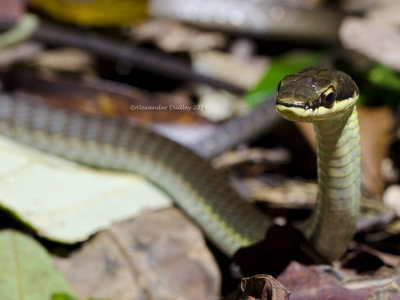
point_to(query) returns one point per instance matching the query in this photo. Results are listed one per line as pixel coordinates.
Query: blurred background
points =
(204, 74)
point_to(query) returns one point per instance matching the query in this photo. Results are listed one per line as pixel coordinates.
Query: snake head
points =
(315, 94)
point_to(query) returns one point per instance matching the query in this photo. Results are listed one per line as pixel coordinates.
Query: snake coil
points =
(324, 97)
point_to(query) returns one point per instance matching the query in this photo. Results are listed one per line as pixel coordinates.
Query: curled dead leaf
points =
(263, 287)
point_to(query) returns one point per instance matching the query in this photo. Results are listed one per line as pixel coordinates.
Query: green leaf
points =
(27, 271)
(280, 67)
(378, 85)
(23, 30)
(62, 297)
(384, 77)
(68, 297)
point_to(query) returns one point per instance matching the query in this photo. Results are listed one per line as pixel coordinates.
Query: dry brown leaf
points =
(231, 159)
(391, 198)
(376, 126)
(315, 283)
(307, 129)
(95, 96)
(357, 5)
(376, 41)
(242, 71)
(158, 255)
(293, 193)
(386, 13)
(172, 36)
(355, 258)
(65, 59)
(19, 53)
(263, 287)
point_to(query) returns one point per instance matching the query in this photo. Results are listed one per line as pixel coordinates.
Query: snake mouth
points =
(291, 112)
(295, 104)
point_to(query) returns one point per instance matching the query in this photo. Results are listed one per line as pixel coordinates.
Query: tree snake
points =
(202, 192)
(327, 99)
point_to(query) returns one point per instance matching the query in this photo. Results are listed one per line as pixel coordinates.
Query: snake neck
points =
(333, 221)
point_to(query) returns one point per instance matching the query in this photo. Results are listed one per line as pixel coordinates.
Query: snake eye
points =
(328, 97)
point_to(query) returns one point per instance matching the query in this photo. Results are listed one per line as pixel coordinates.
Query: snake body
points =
(199, 190)
(327, 99)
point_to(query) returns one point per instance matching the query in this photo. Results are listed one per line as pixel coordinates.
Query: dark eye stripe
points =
(279, 86)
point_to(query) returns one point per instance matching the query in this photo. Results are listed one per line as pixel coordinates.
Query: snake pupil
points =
(328, 97)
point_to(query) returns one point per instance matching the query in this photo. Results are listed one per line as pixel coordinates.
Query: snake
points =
(324, 97)
(327, 99)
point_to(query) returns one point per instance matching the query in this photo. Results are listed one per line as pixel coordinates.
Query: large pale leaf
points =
(67, 202)
(27, 271)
